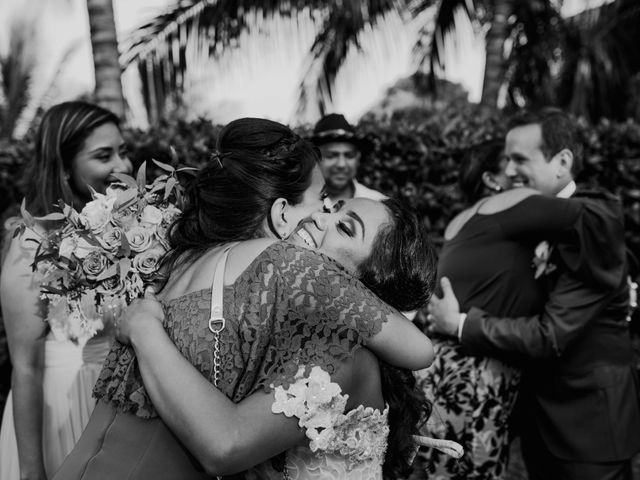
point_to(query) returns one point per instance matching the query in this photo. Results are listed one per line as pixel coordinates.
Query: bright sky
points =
(264, 86)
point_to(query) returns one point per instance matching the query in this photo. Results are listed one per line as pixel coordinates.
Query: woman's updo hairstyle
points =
(257, 161)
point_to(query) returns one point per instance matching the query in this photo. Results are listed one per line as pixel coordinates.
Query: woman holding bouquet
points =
(294, 319)
(78, 148)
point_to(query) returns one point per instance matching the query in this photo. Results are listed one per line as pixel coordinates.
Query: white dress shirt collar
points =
(568, 190)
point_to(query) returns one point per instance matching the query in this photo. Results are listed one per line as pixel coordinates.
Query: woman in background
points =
(78, 148)
(487, 256)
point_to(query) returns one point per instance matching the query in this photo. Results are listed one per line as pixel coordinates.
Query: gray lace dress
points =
(291, 310)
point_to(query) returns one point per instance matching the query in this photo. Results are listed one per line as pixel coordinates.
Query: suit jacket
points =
(576, 356)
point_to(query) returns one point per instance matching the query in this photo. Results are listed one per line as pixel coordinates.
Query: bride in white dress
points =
(78, 147)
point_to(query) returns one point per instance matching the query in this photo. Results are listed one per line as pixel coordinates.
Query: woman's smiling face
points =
(347, 234)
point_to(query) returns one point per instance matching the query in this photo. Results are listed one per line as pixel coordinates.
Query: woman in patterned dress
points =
(487, 256)
(290, 373)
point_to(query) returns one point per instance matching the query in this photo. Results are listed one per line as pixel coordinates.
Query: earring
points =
(497, 188)
(282, 235)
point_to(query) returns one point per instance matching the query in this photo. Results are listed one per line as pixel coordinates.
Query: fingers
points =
(446, 286)
(150, 293)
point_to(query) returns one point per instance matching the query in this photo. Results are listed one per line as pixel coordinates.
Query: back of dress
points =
(490, 269)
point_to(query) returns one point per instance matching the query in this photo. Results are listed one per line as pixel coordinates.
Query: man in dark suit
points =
(580, 391)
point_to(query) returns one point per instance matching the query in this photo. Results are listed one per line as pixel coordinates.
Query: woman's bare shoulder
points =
(505, 200)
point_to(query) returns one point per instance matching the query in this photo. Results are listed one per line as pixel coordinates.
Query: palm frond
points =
(340, 31)
(599, 58)
(536, 39)
(188, 35)
(195, 31)
(432, 51)
(16, 72)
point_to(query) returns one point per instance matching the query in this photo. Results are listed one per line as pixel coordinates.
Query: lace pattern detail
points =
(358, 436)
(292, 306)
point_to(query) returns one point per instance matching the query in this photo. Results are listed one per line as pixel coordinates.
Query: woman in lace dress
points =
(295, 319)
(78, 147)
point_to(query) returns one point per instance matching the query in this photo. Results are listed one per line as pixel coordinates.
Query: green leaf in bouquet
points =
(156, 187)
(174, 154)
(126, 179)
(124, 266)
(54, 216)
(164, 166)
(26, 216)
(54, 276)
(125, 199)
(90, 239)
(160, 179)
(171, 182)
(189, 170)
(52, 290)
(125, 248)
(108, 273)
(19, 231)
(141, 178)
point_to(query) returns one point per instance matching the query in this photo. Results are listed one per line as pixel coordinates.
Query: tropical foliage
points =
(599, 60)
(415, 155)
(26, 88)
(534, 55)
(195, 30)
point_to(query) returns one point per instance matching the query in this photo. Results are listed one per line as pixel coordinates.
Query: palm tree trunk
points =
(495, 63)
(108, 92)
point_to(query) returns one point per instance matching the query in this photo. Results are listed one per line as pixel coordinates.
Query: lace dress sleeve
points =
(321, 315)
(292, 307)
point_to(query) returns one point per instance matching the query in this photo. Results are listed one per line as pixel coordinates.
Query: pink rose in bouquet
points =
(105, 253)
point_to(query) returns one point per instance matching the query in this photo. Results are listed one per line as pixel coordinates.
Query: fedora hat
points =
(335, 128)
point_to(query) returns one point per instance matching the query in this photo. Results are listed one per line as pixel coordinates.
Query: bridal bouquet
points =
(103, 255)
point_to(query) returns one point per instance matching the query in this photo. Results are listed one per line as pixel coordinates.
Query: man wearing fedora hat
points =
(341, 150)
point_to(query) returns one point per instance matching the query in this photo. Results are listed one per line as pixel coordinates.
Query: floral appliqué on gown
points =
(342, 445)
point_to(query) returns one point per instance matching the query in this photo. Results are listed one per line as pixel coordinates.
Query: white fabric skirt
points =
(70, 371)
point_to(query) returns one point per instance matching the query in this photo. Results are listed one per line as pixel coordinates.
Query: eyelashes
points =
(345, 228)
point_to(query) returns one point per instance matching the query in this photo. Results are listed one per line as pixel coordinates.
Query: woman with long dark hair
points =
(278, 331)
(78, 147)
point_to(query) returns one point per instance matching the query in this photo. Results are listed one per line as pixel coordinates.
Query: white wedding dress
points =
(342, 445)
(70, 371)
(71, 368)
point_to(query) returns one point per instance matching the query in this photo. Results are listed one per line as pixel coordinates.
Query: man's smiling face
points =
(528, 165)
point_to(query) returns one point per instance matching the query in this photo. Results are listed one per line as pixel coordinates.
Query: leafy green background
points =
(414, 154)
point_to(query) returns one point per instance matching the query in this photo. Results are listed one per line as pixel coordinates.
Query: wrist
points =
(144, 330)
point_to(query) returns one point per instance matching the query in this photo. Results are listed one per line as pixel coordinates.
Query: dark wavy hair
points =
(257, 162)
(60, 136)
(401, 270)
(478, 159)
(559, 131)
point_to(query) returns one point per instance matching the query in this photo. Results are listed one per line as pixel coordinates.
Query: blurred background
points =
(423, 79)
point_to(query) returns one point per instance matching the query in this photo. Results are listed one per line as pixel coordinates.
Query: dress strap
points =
(216, 321)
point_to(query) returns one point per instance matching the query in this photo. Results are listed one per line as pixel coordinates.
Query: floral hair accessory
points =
(102, 257)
